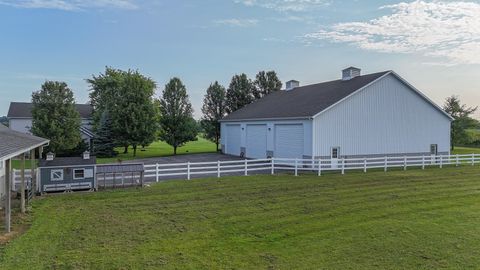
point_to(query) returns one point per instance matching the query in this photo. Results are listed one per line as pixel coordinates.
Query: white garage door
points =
(289, 141)
(232, 143)
(256, 141)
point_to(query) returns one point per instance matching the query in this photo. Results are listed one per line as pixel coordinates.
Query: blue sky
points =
(435, 45)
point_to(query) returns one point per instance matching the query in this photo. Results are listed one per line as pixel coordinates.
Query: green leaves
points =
(127, 96)
(177, 125)
(214, 109)
(462, 120)
(55, 116)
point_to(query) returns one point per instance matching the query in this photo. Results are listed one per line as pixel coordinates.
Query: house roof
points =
(67, 161)
(14, 143)
(24, 110)
(304, 101)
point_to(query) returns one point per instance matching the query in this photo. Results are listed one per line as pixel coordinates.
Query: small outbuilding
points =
(66, 173)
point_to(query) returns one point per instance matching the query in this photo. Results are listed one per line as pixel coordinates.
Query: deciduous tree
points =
(239, 93)
(177, 125)
(213, 110)
(462, 121)
(55, 116)
(266, 83)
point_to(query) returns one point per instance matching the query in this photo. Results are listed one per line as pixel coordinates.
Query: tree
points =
(266, 83)
(462, 120)
(239, 93)
(177, 124)
(55, 116)
(104, 141)
(213, 110)
(127, 96)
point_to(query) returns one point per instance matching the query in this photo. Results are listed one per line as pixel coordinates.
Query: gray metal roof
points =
(67, 161)
(24, 110)
(14, 142)
(120, 168)
(304, 101)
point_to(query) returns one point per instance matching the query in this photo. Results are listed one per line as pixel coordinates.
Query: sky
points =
(435, 45)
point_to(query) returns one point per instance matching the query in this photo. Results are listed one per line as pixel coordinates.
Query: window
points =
(335, 152)
(434, 149)
(56, 175)
(78, 174)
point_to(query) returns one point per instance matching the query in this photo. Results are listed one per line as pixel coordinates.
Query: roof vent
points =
(50, 156)
(350, 73)
(86, 155)
(292, 84)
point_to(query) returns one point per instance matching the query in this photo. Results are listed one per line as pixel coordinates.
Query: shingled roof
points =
(24, 110)
(304, 101)
(14, 143)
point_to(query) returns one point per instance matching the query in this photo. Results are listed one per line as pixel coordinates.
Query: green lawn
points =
(400, 220)
(465, 150)
(161, 149)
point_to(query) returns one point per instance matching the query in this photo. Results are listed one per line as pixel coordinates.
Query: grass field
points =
(400, 220)
(465, 150)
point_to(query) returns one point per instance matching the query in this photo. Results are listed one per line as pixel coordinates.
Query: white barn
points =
(378, 114)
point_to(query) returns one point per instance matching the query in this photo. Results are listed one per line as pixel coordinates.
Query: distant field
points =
(397, 220)
(161, 149)
(465, 150)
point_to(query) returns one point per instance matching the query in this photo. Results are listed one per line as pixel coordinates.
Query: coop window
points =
(78, 174)
(56, 175)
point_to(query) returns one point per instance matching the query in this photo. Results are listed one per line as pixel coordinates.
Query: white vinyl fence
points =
(157, 172)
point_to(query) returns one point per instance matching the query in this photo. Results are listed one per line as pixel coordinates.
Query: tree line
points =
(127, 114)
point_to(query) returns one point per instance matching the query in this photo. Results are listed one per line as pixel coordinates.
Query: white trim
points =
(78, 178)
(268, 119)
(422, 95)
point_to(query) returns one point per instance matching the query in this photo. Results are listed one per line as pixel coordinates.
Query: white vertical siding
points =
(20, 125)
(386, 118)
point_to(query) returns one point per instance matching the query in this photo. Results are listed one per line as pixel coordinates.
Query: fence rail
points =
(157, 172)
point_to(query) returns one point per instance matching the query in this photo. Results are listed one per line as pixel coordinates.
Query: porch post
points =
(32, 171)
(22, 184)
(8, 171)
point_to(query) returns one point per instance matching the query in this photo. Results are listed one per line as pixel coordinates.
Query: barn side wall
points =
(386, 118)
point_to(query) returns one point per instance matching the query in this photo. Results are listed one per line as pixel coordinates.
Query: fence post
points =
(365, 165)
(473, 159)
(405, 163)
(218, 168)
(385, 164)
(156, 172)
(457, 160)
(343, 165)
(441, 161)
(188, 170)
(319, 167)
(296, 167)
(246, 167)
(423, 162)
(273, 165)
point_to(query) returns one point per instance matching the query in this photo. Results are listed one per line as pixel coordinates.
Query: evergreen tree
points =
(239, 93)
(177, 125)
(213, 110)
(104, 141)
(462, 120)
(266, 83)
(55, 116)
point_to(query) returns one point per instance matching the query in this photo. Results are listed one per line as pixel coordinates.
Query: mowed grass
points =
(399, 220)
(465, 150)
(161, 149)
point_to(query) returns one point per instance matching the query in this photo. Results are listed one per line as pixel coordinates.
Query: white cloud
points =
(285, 5)
(446, 31)
(237, 22)
(70, 4)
